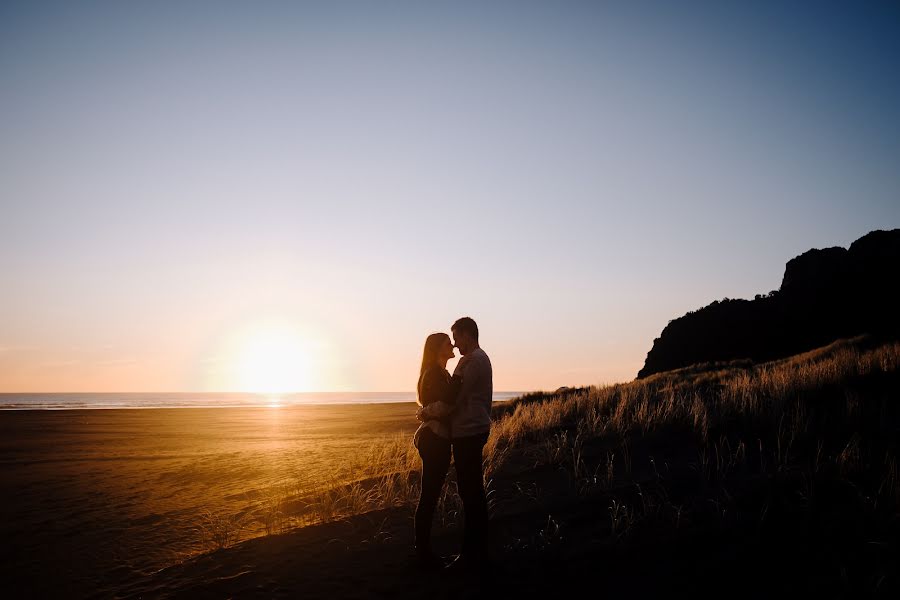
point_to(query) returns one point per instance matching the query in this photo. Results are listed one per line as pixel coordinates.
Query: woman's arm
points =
(440, 396)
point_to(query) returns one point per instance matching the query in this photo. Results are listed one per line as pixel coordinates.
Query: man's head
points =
(465, 335)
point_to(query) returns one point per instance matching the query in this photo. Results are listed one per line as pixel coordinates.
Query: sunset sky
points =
(236, 196)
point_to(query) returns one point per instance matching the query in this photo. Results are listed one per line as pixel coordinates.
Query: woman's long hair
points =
(433, 343)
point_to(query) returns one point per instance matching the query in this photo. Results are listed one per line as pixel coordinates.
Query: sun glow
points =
(275, 355)
(272, 360)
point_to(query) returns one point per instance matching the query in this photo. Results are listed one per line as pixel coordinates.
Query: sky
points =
(239, 196)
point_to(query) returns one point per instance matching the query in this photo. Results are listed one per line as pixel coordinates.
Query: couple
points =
(456, 418)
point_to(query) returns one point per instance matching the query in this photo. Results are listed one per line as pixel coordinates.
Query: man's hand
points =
(420, 415)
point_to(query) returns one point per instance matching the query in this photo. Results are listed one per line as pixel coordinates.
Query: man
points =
(470, 425)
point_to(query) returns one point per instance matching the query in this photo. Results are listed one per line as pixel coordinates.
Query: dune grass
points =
(830, 415)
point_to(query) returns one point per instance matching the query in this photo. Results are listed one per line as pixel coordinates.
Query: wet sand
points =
(94, 499)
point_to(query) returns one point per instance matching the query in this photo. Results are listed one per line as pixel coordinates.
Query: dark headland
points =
(825, 295)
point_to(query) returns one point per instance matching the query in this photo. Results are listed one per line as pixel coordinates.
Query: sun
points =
(272, 360)
(274, 355)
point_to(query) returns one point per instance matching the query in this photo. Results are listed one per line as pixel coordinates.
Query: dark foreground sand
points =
(93, 500)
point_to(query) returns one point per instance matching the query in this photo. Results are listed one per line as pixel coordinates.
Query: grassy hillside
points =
(689, 480)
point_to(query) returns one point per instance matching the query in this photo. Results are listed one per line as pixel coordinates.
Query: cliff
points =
(825, 295)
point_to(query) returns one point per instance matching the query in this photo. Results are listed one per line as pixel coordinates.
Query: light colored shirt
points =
(473, 405)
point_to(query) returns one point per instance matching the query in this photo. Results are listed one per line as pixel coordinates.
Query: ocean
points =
(70, 401)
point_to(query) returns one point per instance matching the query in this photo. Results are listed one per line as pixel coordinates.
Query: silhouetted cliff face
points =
(825, 295)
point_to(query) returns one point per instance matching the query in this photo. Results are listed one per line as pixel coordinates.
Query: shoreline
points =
(274, 402)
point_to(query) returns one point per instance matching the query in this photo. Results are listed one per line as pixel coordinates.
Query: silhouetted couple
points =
(456, 419)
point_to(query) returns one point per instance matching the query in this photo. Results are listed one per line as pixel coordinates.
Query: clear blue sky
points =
(177, 176)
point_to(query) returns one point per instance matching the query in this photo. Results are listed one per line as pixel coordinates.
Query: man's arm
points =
(435, 410)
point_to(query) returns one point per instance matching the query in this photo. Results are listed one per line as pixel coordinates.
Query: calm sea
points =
(194, 400)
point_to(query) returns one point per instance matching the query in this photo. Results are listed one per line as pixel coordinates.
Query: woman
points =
(437, 392)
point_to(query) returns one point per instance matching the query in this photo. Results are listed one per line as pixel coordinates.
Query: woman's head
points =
(438, 350)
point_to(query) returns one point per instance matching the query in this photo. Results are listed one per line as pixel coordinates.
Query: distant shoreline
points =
(37, 401)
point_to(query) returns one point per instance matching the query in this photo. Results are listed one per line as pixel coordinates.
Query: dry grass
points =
(768, 393)
(813, 411)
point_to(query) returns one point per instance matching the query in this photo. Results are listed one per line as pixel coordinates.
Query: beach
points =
(94, 499)
(677, 485)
